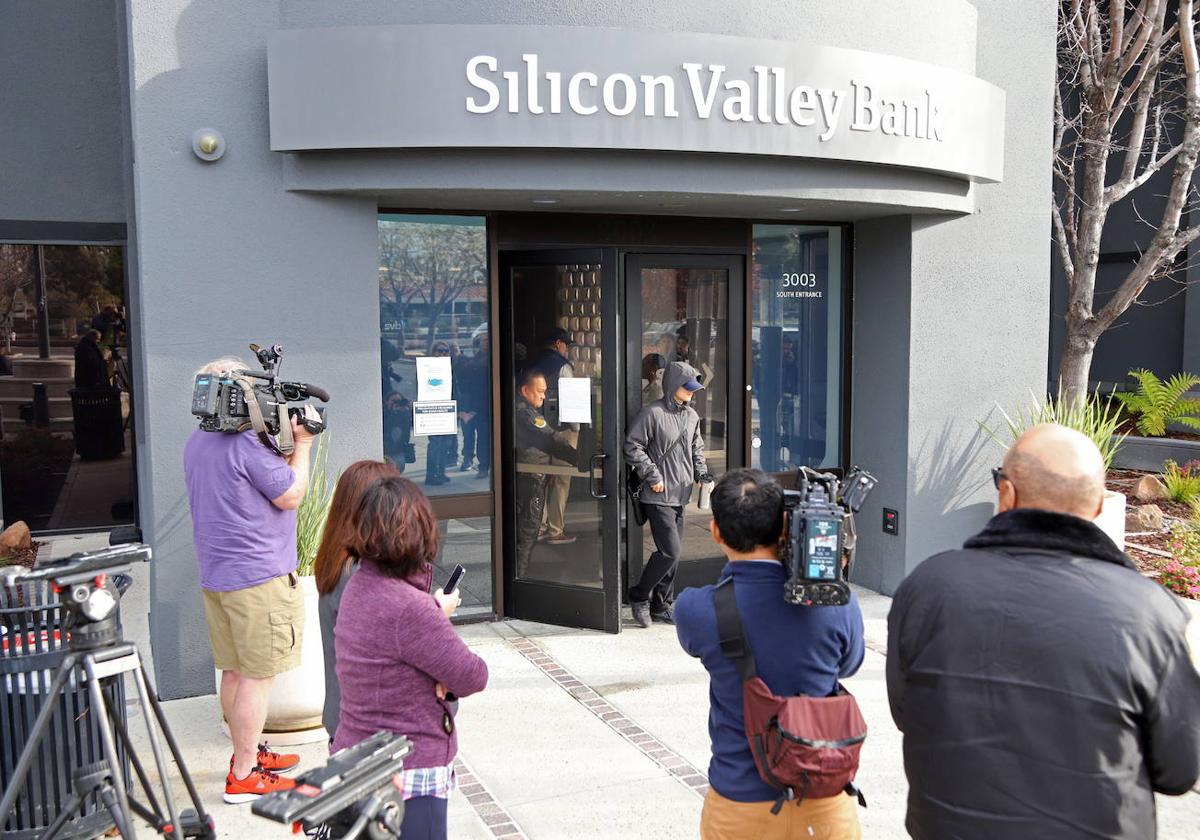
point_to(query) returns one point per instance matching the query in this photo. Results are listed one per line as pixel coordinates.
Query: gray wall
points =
(227, 255)
(974, 329)
(61, 147)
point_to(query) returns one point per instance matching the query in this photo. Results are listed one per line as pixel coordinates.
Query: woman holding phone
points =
(398, 656)
(334, 565)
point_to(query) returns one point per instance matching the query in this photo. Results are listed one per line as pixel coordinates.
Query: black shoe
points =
(466, 467)
(435, 480)
(663, 614)
(482, 473)
(641, 612)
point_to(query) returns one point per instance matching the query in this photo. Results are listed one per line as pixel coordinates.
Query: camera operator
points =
(243, 498)
(797, 650)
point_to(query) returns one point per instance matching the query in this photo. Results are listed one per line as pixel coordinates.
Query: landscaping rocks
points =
(17, 546)
(1150, 489)
(1144, 518)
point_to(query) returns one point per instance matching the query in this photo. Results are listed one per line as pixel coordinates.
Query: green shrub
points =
(310, 516)
(1157, 404)
(1183, 483)
(1095, 416)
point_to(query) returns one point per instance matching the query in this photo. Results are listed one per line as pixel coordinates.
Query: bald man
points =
(1044, 687)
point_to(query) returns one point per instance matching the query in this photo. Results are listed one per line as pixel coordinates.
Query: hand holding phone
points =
(455, 577)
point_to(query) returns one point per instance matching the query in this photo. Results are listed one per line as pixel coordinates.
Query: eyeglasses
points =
(998, 476)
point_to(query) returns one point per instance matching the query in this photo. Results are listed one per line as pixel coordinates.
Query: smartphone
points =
(455, 577)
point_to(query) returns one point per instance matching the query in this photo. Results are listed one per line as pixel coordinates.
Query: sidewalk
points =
(583, 734)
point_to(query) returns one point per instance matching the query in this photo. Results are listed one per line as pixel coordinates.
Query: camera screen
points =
(822, 560)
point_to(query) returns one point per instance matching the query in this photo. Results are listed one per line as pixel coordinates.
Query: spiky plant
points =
(1094, 416)
(1157, 404)
(310, 516)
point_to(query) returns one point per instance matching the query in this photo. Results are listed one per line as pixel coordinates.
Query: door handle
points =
(597, 458)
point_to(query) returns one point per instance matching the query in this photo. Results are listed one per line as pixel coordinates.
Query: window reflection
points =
(797, 347)
(66, 454)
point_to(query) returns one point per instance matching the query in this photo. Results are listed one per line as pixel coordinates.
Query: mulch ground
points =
(1148, 562)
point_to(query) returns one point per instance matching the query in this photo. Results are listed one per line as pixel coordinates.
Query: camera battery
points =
(206, 393)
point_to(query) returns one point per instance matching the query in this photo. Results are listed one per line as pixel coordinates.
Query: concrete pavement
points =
(587, 735)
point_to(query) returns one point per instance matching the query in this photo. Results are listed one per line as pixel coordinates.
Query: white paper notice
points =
(575, 399)
(434, 378)
(435, 418)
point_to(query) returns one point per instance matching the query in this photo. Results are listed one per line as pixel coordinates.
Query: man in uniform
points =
(553, 364)
(537, 443)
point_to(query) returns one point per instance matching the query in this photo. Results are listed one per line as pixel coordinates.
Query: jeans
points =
(424, 818)
(658, 577)
(477, 440)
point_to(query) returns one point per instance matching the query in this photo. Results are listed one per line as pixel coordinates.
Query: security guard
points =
(536, 442)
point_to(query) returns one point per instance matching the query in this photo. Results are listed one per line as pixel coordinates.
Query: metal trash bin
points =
(99, 426)
(32, 644)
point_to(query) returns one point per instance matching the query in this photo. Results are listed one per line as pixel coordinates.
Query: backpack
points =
(802, 746)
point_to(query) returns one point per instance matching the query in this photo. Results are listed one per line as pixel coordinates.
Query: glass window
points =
(797, 345)
(66, 453)
(436, 372)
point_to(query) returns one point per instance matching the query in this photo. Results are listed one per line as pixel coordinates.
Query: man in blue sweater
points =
(797, 650)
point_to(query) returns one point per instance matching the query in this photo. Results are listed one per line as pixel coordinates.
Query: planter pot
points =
(1112, 517)
(298, 696)
(1143, 453)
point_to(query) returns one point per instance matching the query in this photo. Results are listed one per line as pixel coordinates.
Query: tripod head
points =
(88, 594)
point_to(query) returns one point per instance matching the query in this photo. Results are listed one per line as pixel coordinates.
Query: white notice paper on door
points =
(434, 378)
(575, 399)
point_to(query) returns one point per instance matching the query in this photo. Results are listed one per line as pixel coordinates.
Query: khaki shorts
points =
(257, 631)
(835, 818)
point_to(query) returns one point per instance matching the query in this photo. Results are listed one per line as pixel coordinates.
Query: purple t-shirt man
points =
(241, 539)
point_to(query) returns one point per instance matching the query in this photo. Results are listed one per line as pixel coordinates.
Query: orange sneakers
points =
(258, 783)
(277, 762)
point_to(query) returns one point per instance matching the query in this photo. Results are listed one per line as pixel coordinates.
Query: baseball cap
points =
(559, 334)
(693, 384)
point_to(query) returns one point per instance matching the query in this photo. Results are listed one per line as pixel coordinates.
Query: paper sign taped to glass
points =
(435, 417)
(434, 378)
(575, 399)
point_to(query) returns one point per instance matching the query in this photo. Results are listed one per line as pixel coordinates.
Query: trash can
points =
(99, 426)
(32, 644)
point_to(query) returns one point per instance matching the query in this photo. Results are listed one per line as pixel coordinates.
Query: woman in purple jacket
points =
(398, 657)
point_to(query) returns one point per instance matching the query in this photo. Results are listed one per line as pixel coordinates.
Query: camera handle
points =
(286, 444)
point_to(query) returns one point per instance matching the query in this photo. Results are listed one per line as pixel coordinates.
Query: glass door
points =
(559, 336)
(685, 307)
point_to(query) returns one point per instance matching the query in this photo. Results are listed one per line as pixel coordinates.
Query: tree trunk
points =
(1075, 367)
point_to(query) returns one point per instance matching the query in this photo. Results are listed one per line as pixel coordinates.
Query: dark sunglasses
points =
(998, 476)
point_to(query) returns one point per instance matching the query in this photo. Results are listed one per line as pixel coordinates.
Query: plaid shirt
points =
(428, 781)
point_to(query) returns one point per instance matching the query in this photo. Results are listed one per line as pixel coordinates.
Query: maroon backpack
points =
(804, 747)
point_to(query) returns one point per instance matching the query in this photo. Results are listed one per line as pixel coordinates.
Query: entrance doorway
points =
(599, 324)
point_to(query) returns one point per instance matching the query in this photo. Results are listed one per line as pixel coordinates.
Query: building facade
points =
(838, 214)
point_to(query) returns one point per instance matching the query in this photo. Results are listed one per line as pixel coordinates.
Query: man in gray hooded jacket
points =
(666, 448)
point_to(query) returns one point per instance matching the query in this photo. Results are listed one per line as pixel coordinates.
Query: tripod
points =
(98, 649)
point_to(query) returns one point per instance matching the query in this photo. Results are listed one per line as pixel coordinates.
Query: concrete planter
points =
(1142, 453)
(298, 696)
(1112, 517)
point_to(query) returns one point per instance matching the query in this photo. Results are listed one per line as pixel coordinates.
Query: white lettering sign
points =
(435, 418)
(769, 99)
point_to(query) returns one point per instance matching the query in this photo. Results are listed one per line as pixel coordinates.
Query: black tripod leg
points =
(65, 813)
(139, 770)
(111, 796)
(40, 725)
(152, 697)
(148, 701)
(120, 813)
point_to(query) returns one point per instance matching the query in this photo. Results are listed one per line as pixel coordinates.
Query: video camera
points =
(351, 794)
(228, 403)
(819, 537)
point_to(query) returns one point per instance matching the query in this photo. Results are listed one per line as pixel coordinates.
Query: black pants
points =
(477, 438)
(424, 818)
(531, 501)
(658, 577)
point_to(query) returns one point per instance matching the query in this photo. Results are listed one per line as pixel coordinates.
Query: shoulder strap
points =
(730, 632)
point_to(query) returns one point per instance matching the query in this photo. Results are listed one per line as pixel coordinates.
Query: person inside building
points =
(91, 368)
(333, 566)
(653, 366)
(474, 383)
(537, 445)
(797, 650)
(666, 448)
(243, 498)
(552, 363)
(1044, 687)
(399, 660)
(440, 450)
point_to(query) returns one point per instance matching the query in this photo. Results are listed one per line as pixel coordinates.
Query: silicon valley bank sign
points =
(452, 86)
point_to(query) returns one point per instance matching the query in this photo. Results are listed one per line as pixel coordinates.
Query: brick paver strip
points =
(678, 767)
(494, 815)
